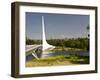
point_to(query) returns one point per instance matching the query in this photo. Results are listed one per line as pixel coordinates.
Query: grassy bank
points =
(58, 60)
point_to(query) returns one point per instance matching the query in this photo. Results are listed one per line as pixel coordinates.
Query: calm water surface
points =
(58, 53)
(65, 53)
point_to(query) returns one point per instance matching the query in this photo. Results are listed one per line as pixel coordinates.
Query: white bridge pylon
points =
(45, 45)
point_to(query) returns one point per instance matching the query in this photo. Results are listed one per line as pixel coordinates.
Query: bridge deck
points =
(31, 47)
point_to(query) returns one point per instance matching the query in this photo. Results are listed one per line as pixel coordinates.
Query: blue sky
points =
(56, 25)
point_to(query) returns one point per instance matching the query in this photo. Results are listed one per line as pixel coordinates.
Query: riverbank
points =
(58, 61)
(64, 49)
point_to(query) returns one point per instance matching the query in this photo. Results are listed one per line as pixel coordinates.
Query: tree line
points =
(82, 43)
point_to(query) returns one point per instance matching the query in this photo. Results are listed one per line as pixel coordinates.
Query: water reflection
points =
(65, 53)
(57, 53)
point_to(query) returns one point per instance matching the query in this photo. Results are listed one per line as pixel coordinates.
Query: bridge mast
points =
(45, 45)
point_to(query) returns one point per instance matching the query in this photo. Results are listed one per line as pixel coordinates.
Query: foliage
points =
(31, 41)
(82, 43)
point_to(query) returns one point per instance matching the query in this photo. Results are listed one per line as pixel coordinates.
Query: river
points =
(59, 53)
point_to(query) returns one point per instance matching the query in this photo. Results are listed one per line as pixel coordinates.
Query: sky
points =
(57, 26)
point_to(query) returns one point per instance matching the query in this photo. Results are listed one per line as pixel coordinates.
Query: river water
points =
(65, 53)
(59, 53)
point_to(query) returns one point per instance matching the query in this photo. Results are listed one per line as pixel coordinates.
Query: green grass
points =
(58, 61)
